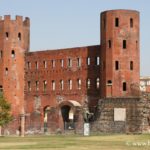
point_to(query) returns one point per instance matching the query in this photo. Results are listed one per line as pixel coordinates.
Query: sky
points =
(57, 24)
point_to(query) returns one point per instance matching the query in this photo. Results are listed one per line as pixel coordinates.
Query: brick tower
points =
(119, 53)
(14, 42)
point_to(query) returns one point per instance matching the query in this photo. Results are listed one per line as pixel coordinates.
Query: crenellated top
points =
(18, 19)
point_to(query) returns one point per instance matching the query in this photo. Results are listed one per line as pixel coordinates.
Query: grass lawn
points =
(62, 142)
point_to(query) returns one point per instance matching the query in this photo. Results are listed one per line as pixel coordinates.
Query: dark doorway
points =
(68, 117)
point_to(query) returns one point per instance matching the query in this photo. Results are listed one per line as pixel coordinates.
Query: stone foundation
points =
(136, 117)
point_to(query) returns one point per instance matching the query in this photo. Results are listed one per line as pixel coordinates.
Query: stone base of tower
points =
(122, 115)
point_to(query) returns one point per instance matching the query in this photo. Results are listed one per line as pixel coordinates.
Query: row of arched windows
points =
(69, 63)
(64, 84)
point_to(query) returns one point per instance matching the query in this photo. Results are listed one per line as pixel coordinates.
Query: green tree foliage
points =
(5, 107)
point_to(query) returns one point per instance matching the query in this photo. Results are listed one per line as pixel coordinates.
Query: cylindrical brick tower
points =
(120, 69)
(14, 42)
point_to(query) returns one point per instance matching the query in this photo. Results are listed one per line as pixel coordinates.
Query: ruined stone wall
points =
(136, 118)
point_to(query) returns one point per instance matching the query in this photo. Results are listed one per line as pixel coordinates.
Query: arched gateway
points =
(70, 113)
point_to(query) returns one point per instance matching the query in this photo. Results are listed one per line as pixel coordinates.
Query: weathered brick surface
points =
(29, 69)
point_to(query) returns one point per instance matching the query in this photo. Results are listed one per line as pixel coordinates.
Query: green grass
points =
(61, 142)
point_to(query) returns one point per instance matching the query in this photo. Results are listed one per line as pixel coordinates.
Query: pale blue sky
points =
(72, 23)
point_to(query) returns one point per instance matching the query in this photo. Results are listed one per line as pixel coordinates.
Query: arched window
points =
(45, 64)
(29, 85)
(6, 71)
(69, 62)
(19, 36)
(124, 86)
(131, 65)
(88, 61)
(53, 63)
(53, 85)
(97, 61)
(37, 85)
(44, 85)
(79, 62)
(117, 22)
(61, 84)
(97, 83)
(88, 83)
(36, 65)
(6, 35)
(131, 22)
(79, 83)
(70, 84)
(13, 54)
(62, 63)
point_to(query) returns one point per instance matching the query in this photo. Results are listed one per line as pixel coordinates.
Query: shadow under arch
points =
(69, 110)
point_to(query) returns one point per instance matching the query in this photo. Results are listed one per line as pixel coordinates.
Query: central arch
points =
(68, 112)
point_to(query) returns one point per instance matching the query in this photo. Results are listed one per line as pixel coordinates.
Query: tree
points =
(5, 116)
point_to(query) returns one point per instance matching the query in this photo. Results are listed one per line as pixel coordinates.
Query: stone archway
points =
(69, 113)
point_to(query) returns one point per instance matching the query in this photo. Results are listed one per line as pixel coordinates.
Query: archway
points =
(68, 112)
(68, 117)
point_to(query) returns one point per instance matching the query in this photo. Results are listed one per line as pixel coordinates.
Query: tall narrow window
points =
(117, 65)
(37, 85)
(109, 43)
(79, 83)
(70, 84)
(29, 65)
(131, 22)
(1, 54)
(97, 59)
(124, 86)
(88, 83)
(131, 65)
(6, 71)
(69, 62)
(13, 54)
(97, 83)
(45, 64)
(53, 63)
(7, 35)
(53, 85)
(61, 84)
(104, 23)
(19, 36)
(117, 22)
(88, 61)
(124, 44)
(36, 65)
(79, 62)
(44, 85)
(62, 63)
(29, 86)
